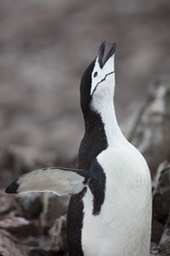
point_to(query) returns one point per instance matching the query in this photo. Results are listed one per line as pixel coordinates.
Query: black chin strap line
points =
(102, 81)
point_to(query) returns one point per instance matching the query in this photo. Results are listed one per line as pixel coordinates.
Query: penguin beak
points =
(101, 52)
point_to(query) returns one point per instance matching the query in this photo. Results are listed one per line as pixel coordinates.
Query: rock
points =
(161, 194)
(54, 207)
(150, 133)
(40, 252)
(9, 245)
(154, 249)
(9, 160)
(11, 166)
(59, 235)
(165, 240)
(29, 205)
(161, 208)
(7, 203)
(19, 226)
(157, 231)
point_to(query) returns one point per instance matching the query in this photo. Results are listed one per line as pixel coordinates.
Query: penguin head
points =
(98, 81)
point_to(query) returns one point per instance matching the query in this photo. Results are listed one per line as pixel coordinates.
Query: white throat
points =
(105, 107)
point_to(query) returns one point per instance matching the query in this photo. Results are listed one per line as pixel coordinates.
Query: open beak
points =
(101, 52)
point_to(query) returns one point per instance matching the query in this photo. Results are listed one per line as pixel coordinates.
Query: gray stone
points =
(161, 195)
(150, 132)
(29, 205)
(53, 207)
(58, 234)
(165, 240)
(7, 203)
(19, 226)
(10, 246)
(157, 230)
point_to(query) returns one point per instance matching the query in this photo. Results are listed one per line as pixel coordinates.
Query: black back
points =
(93, 142)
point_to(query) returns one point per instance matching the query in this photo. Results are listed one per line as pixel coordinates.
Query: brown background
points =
(44, 48)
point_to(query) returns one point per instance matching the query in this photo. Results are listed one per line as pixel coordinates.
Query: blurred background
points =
(45, 46)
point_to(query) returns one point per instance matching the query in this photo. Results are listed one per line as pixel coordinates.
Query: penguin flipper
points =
(57, 180)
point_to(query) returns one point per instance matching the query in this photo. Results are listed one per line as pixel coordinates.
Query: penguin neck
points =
(93, 121)
(106, 109)
(94, 140)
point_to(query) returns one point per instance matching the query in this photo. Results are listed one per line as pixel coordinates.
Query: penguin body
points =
(110, 208)
(122, 226)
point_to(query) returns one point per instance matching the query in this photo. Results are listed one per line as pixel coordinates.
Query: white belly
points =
(123, 226)
(116, 231)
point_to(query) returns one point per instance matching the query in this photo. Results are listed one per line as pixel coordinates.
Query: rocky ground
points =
(44, 48)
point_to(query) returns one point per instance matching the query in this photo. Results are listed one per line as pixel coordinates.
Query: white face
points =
(103, 78)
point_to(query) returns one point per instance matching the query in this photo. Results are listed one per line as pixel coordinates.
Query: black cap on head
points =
(85, 87)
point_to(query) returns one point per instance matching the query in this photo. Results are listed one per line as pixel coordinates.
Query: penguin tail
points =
(57, 180)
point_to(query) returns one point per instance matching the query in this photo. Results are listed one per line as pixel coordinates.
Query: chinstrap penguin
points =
(110, 207)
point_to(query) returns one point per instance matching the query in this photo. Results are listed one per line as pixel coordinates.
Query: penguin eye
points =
(95, 74)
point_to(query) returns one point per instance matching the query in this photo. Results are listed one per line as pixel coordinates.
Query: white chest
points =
(123, 226)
